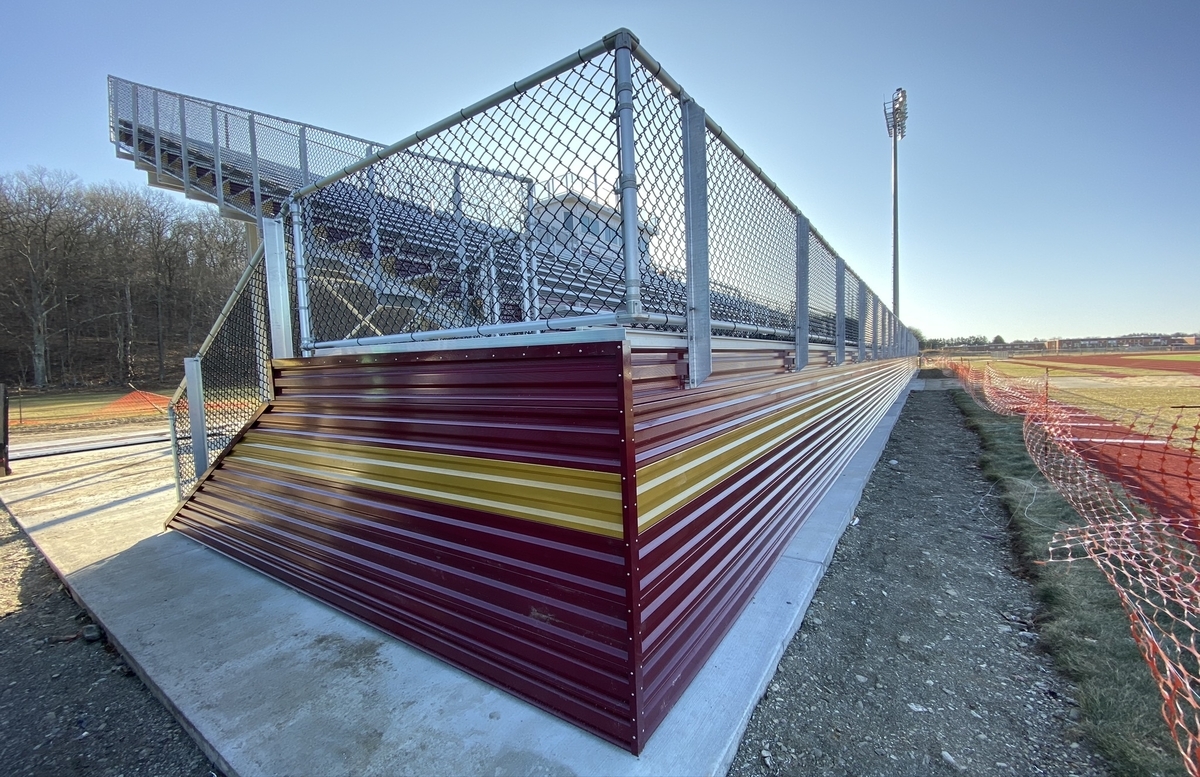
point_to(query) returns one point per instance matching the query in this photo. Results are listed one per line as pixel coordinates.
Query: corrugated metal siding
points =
(753, 460)
(431, 494)
(488, 505)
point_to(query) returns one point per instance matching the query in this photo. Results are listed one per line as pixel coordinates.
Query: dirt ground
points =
(69, 706)
(918, 655)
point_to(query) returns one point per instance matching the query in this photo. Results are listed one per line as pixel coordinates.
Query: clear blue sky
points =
(1050, 182)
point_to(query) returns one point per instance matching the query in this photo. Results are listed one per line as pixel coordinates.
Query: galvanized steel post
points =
(695, 210)
(862, 321)
(802, 323)
(135, 124)
(627, 169)
(258, 215)
(302, 148)
(172, 426)
(840, 308)
(157, 143)
(302, 309)
(874, 326)
(278, 298)
(196, 418)
(218, 178)
(183, 147)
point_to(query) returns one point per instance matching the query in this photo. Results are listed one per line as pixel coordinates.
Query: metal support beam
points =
(802, 323)
(840, 307)
(627, 169)
(695, 214)
(196, 418)
(278, 298)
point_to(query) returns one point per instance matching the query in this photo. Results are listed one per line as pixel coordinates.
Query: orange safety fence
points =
(1134, 476)
(66, 410)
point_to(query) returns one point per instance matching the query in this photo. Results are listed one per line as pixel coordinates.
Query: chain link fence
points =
(585, 195)
(510, 218)
(235, 364)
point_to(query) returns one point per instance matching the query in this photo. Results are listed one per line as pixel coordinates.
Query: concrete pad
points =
(270, 681)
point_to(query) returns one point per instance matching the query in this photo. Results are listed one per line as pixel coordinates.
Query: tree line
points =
(106, 284)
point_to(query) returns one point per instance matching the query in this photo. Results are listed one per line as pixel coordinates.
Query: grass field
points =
(1151, 401)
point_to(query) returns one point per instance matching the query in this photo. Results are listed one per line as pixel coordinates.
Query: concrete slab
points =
(270, 681)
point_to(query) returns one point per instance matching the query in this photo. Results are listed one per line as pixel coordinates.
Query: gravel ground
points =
(69, 706)
(919, 654)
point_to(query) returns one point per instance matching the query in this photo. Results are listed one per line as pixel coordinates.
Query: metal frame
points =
(695, 193)
(198, 424)
(278, 296)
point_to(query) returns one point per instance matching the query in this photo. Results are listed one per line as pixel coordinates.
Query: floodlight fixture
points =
(895, 113)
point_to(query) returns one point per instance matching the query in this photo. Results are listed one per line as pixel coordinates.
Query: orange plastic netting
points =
(1134, 476)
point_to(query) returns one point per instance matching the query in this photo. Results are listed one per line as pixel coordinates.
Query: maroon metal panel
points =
(701, 565)
(604, 631)
(537, 609)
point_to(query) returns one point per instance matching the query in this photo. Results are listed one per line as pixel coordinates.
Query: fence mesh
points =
(1134, 476)
(752, 246)
(235, 366)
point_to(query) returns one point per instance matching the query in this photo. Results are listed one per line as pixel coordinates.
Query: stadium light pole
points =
(896, 115)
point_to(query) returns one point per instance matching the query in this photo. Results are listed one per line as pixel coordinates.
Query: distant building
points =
(1127, 341)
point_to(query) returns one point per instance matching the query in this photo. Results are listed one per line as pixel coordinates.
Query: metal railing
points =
(226, 382)
(595, 192)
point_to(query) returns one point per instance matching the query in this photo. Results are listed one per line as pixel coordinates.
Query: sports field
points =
(1115, 385)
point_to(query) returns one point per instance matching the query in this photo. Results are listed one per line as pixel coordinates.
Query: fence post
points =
(875, 326)
(183, 148)
(303, 314)
(172, 424)
(157, 143)
(302, 147)
(218, 176)
(862, 321)
(695, 209)
(135, 124)
(802, 323)
(627, 169)
(840, 307)
(4, 468)
(258, 216)
(196, 417)
(531, 287)
(278, 298)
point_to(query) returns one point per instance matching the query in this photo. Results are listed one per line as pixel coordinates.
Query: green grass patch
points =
(1082, 623)
(1169, 357)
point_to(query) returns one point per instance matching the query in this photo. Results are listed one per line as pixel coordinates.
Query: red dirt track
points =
(1164, 478)
(1124, 362)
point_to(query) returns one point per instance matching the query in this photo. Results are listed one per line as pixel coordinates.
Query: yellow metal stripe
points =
(669, 483)
(573, 498)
